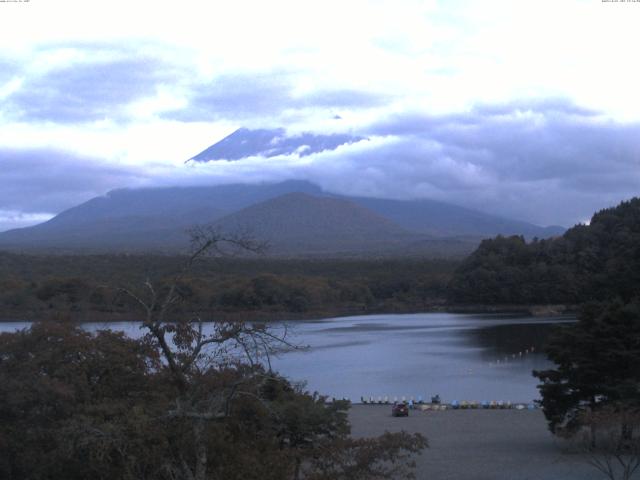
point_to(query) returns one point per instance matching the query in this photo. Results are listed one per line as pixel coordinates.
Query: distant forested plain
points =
(87, 287)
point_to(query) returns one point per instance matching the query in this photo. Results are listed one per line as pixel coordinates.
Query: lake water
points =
(459, 357)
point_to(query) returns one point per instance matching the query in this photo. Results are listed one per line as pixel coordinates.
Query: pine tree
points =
(597, 364)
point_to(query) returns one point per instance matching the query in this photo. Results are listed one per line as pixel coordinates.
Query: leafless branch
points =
(610, 446)
(189, 351)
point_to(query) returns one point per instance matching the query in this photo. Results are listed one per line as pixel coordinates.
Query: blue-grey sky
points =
(527, 109)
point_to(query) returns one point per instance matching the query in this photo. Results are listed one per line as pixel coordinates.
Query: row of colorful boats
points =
(464, 405)
(437, 404)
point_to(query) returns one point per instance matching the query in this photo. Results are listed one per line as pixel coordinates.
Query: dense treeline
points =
(591, 262)
(86, 287)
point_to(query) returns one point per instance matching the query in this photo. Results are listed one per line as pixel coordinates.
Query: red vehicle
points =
(400, 410)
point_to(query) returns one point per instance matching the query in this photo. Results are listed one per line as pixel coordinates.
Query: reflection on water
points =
(460, 357)
(511, 339)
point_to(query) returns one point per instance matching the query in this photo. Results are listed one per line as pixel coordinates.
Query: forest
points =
(86, 287)
(593, 262)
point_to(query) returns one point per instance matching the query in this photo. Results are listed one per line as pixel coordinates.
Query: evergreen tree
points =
(594, 262)
(597, 365)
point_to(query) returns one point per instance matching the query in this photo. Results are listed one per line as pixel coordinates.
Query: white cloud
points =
(15, 219)
(444, 55)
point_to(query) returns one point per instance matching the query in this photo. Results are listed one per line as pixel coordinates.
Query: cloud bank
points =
(547, 162)
(38, 183)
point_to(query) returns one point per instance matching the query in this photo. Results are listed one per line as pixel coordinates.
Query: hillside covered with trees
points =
(598, 261)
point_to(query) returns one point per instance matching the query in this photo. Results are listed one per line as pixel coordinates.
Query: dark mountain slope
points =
(157, 218)
(444, 219)
(186, 203)
(302, 223)
(154, 218)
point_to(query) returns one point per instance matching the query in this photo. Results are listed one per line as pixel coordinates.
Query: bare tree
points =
(190, 350)
(611, 442)
(216, 369)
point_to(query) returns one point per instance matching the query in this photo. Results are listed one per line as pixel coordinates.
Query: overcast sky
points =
(523, 108)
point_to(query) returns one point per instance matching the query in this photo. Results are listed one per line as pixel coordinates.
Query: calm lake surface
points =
(459, 357)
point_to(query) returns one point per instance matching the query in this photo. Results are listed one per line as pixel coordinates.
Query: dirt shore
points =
(480, 444)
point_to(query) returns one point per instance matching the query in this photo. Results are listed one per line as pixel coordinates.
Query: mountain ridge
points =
(298, 222)
(157, 219)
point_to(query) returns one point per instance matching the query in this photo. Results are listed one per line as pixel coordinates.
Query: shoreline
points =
(541, 310)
